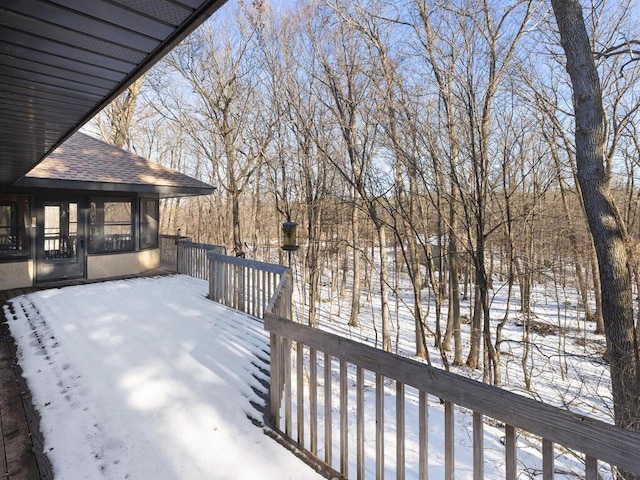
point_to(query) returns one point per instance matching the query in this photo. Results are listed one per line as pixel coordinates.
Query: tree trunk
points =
(473, 359)
(355, 291)
(384, 284)
(597, 289)
(605, 222)
(413, 265)
(121, 115)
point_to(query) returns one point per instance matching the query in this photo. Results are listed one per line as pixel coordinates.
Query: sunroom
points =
(89, 210)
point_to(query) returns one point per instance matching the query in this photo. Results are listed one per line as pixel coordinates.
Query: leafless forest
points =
(430, 139)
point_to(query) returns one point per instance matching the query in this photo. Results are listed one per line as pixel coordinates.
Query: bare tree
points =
(398, 122)
(303, 139)
(229, 116)
(346, 92)
(605, 222)
(116, 120)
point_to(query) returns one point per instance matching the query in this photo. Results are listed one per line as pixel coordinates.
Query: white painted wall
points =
(115, 265)
(17, 274)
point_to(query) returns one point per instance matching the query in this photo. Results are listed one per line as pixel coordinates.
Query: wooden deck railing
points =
(328, 396)
(169, 249)
(316, 375)
(192, 258)
(249, 285)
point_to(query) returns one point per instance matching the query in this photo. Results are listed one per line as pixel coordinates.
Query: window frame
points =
(98, 242)
(19, 228)
(143, 225)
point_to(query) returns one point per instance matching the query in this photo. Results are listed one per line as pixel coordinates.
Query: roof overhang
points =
(62, 61)
(87, 163)
(163, 191)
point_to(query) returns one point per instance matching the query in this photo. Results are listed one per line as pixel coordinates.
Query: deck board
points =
(19, 457)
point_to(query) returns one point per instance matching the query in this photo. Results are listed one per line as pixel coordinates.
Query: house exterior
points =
(72, 207)
(89, 210)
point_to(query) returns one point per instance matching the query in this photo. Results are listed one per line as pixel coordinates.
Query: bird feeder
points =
(289, 236)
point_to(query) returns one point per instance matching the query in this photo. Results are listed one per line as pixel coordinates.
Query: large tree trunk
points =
(120, 114)
(605, 222)
(598, 290)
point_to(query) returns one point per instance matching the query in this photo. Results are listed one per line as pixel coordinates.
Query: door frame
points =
(60, 268)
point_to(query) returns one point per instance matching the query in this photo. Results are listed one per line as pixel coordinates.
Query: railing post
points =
(360, 423)
(328, 401)
(449, 444)
(400, 431)
(344, 424)
(478, 446)
(511, 452)
(379, 426)
(547, 459)
(423, 432)
(276, 379)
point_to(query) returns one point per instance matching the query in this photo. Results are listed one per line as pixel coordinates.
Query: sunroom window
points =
(111, 225)
(149, 215)
(14, 216)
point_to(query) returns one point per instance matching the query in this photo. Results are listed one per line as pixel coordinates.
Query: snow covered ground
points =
(147, 379)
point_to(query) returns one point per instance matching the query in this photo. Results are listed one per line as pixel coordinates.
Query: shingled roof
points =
(86, 163)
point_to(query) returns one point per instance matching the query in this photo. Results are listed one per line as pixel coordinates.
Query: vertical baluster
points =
(211, 280)
(478, 446)
(400, 431)
(275, 379)
(287, 388)
(239, 287)
(203, 258)
(232, 284)
(423, 432)
(511, 452)
(300, 389)
(328, 397)
(263, 301)
(228, 273)
(591, 468)
(232, 288)
(547, 459)
(449, 451)
(257, 312)
(344, 433)
(313, 400)
(289, 305)
(222, 275)
(379, 426)
(360, 422)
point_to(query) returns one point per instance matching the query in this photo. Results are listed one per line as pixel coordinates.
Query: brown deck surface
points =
(21, 455)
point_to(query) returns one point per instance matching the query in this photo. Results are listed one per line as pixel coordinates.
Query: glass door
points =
(60, 241)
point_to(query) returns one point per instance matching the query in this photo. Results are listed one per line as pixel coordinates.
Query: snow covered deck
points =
(146, 378)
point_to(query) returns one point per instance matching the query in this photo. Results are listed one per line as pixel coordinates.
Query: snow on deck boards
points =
(146, 378)
(21, 443)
